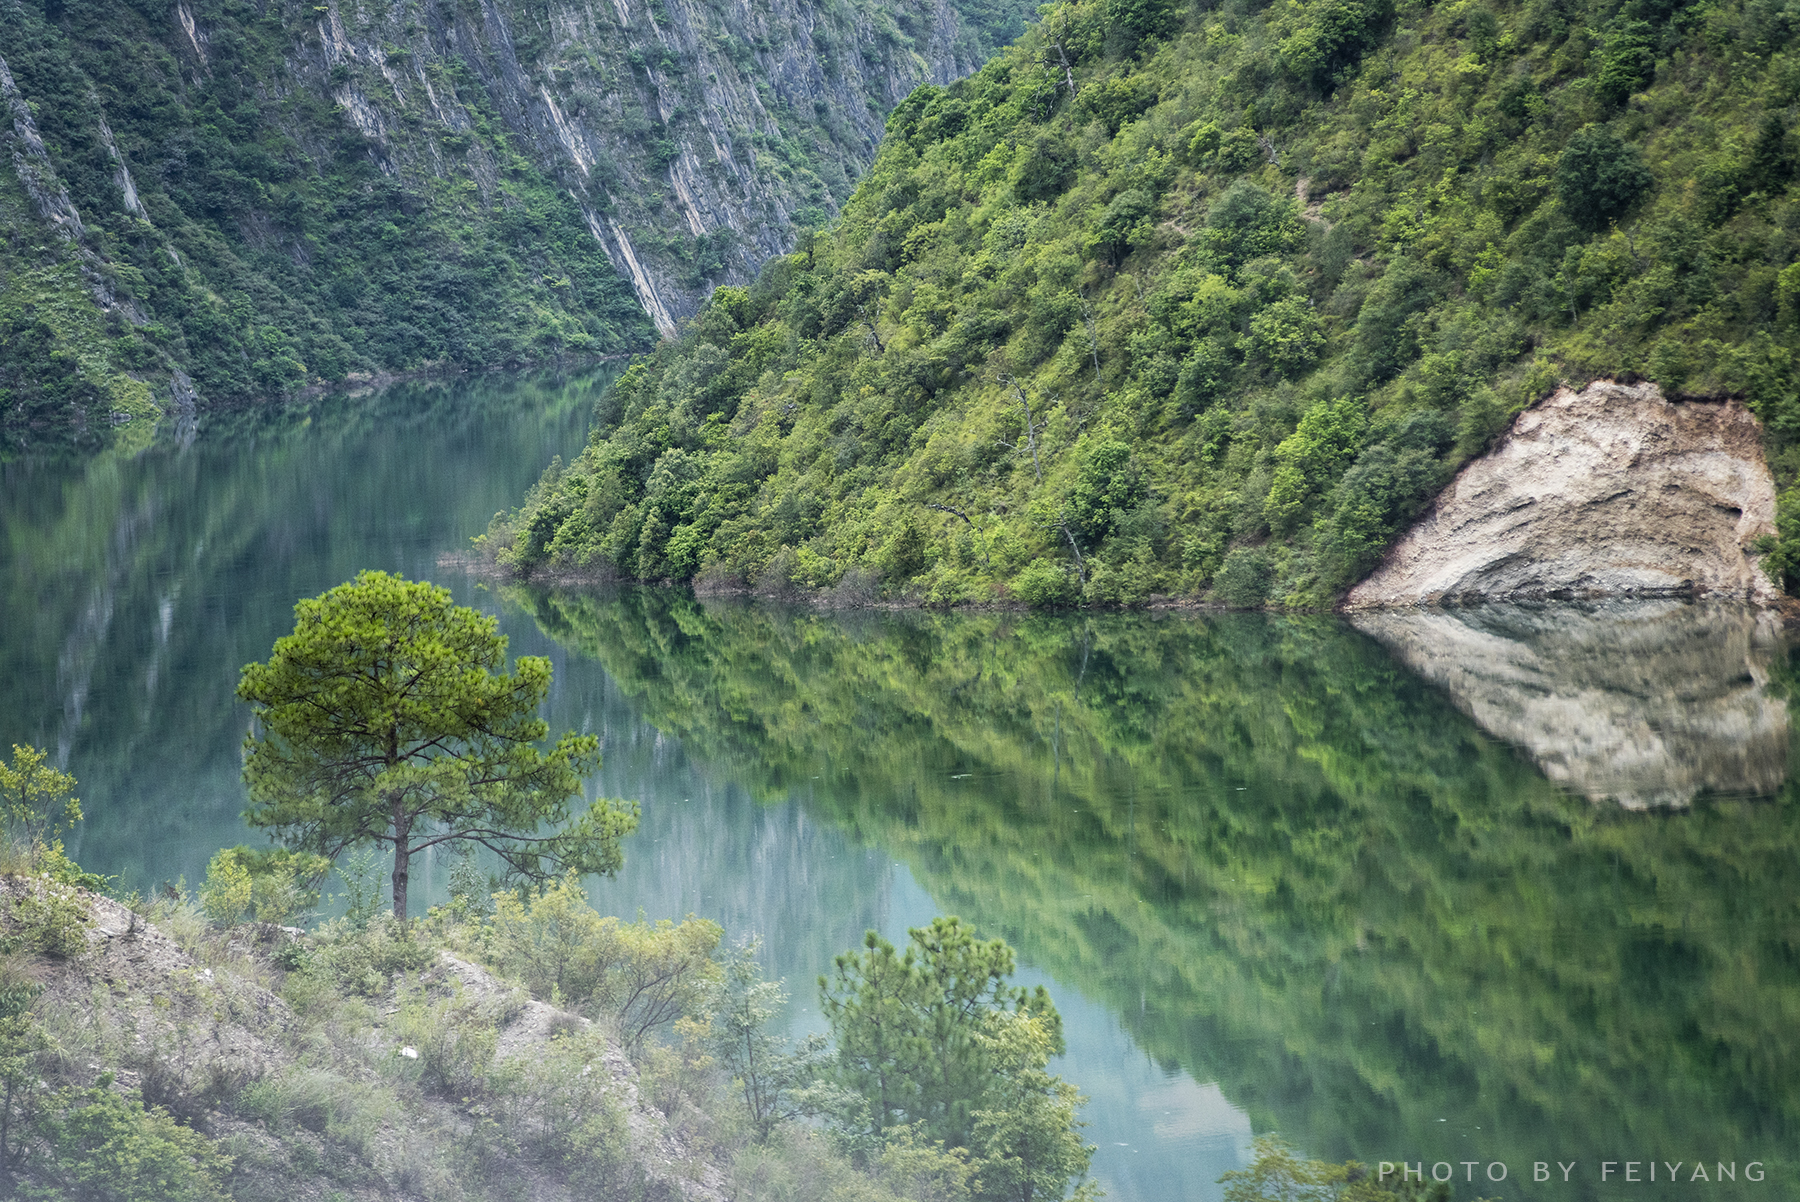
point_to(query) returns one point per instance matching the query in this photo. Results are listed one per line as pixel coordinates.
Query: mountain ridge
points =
(263, 197)
(1210, 301)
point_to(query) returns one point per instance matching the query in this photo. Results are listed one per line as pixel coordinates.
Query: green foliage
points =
(105, 1147)
(638, 976)
(1027, 1141)
(51, 918)
(387, 717)
(562, 1106)
(1276, 1174)
(225, 893)
(1599, 178)
(37, 802)
(22, 1041)
(943, 1051)
(1246, 577)
(352, 960)
(773, 1081)
(1192, 230)
(453, 1041)
(908, 1025)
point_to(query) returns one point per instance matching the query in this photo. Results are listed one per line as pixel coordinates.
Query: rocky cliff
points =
(260, 197)
(1643, 703)
(696, 135)
(1611, 491)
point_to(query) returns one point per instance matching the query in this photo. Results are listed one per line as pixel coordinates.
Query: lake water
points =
(1466, 889)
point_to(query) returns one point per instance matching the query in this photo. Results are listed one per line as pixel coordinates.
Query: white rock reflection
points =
(1644, 703)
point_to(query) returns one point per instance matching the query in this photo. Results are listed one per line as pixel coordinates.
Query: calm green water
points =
(1498, 887)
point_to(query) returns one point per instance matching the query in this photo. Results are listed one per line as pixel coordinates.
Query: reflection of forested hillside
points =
(136, 588)
(1283, 860)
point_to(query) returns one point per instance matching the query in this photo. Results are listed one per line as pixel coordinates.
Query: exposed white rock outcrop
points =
(1611, 491)
(1643, 703)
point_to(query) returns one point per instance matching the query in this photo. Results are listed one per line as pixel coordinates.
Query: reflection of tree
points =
(1288, 864)
(136, 587)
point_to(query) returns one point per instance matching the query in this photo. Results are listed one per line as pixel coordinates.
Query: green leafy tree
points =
(912, 1028)
(1027, 1139)
(1599, 178)
(946, 1054)
(106, 1146)
(37, 801)
(772, 1079)
(387, 717)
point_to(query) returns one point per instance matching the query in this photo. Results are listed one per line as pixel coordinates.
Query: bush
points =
(1600, 179)
(103, 1146)
(365, 961)
(454, 1042)
(562, 1104)
(37, 801)
(640, 975)
(1245, 578)
(53, 918)
(225, 893)
(1046, 584)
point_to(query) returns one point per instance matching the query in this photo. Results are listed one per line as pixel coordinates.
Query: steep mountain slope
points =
(262, 196)
(1173, 298)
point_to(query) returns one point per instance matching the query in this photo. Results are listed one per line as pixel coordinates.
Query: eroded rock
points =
(1611, 491)
(1640, 702)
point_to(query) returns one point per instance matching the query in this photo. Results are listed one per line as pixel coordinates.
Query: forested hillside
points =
(1175, 299)
(225, 201)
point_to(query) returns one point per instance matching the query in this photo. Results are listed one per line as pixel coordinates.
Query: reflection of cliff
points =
(1645, 703)
(135, 587)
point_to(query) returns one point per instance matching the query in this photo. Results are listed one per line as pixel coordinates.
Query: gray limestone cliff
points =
(696, 135)
(1638, 702)
(1610, 491)
(225, 202)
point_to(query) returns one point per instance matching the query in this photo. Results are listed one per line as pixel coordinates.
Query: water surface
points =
(1495, 886)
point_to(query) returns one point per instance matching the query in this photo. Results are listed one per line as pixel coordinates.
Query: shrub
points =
(1046, 584)
(1245, 578)
(37, 801)
(225, 893)
(1600, 179)
(639, 975)
(53, 918)
(560, 1104)
(454, 1041)
(106, 1146)
(365, 961)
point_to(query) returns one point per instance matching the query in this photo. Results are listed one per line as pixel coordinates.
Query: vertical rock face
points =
(1611, 491)
(1642, 703)
(269, 196)
(694, 134)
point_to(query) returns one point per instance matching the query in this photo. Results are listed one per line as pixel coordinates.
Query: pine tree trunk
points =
(402, 861)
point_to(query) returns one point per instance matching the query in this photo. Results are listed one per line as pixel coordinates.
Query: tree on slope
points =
(943, 1050)
(387, 717)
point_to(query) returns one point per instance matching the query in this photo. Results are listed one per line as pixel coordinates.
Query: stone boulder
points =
(1612, 491)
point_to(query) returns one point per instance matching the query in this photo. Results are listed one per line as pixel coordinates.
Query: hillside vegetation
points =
(264, 197)
(1175, 299)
